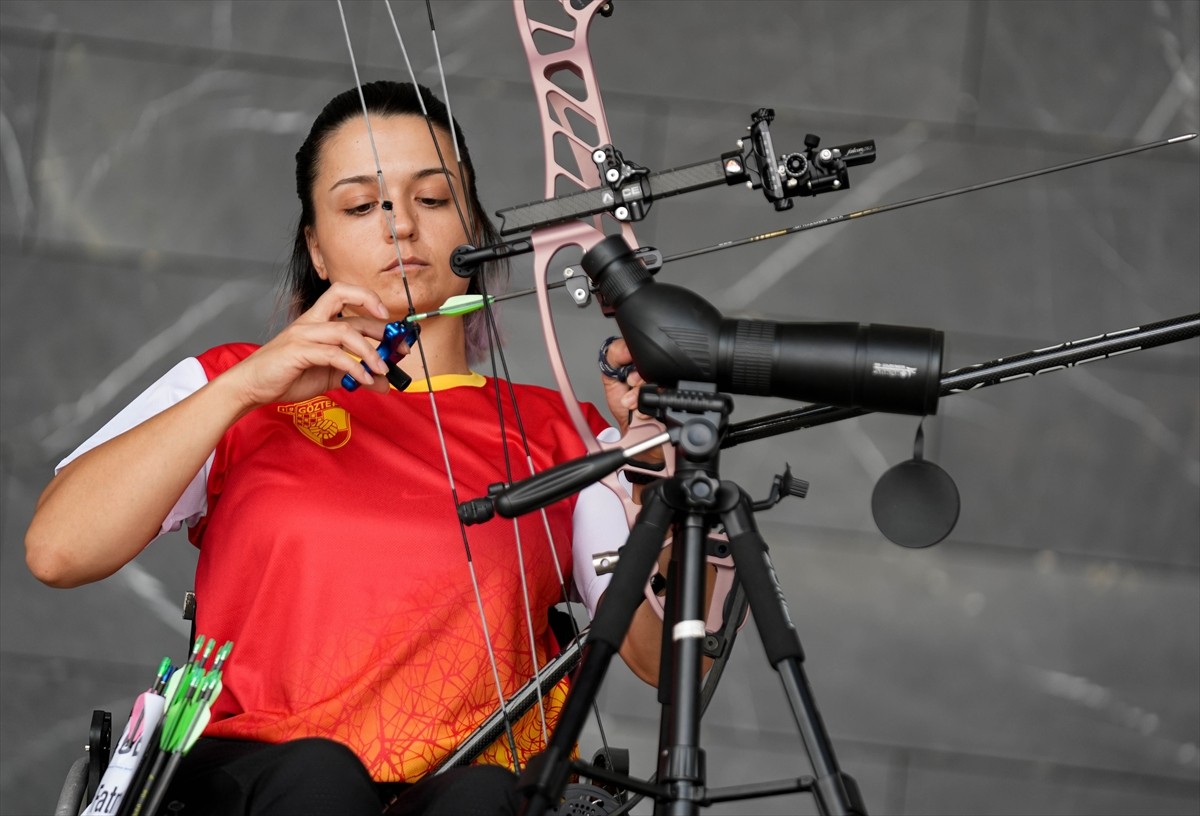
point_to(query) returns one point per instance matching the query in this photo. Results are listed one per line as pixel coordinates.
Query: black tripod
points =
(692, 503)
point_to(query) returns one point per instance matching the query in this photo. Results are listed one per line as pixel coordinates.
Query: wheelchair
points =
(592, 797)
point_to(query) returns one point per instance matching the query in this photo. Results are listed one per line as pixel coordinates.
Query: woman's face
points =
(350, 240)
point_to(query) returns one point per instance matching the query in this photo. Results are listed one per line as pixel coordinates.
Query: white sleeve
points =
(183, 380)
(599, 526)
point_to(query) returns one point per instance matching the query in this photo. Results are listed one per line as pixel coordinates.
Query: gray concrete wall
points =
(1043, 659)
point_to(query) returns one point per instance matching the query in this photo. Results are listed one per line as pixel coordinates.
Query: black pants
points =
(318, 777)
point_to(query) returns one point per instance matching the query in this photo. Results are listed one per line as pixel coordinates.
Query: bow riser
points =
(554, 102)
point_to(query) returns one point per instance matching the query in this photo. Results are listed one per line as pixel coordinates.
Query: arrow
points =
(188, 714)
(925, 199)
(465, 304)
(457, 305)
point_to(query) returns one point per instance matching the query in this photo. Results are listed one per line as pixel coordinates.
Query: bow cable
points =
(494, 346)
(494, 341)
(390, 220)
(458, 208)
(386, 204)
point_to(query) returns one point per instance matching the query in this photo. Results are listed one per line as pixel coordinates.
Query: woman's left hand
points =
(621, 396)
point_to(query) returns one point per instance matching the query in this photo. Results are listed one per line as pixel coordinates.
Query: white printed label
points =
(688, 629)
(135, 740)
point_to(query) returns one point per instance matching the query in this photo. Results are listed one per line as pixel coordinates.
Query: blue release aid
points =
(389, 350)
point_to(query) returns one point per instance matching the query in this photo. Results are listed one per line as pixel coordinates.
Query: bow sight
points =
(632, 188)
(629, 189)
(808, 173)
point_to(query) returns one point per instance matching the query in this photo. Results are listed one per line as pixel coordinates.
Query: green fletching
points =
(187, 719)
(457, 305)
(173, 686)
(208, 694)
(222, 655)
(175, 712)
(196, 730)
(160, 677)
(461, 304)
(208, 650)
(181, 675)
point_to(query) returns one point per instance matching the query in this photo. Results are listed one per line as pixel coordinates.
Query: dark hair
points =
(385, 98)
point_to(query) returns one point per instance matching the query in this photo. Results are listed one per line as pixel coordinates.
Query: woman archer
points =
(329, 548)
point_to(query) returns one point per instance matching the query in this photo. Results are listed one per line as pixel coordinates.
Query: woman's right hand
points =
(311, 355)
(105, 506)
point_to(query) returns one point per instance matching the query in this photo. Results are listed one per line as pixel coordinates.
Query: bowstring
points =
(390, 220)
(471, 231)
(468, 230)
(493, 342)
(389, 217)
(575, 631)
(496, 346)
(493, 330)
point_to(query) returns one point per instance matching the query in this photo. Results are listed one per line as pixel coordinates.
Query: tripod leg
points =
(545, 775)
(836, 792)
(681, 760)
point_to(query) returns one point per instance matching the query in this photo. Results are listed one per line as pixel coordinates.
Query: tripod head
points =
(674, 334)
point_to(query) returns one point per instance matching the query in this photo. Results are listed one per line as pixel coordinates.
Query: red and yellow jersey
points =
(331, 554)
